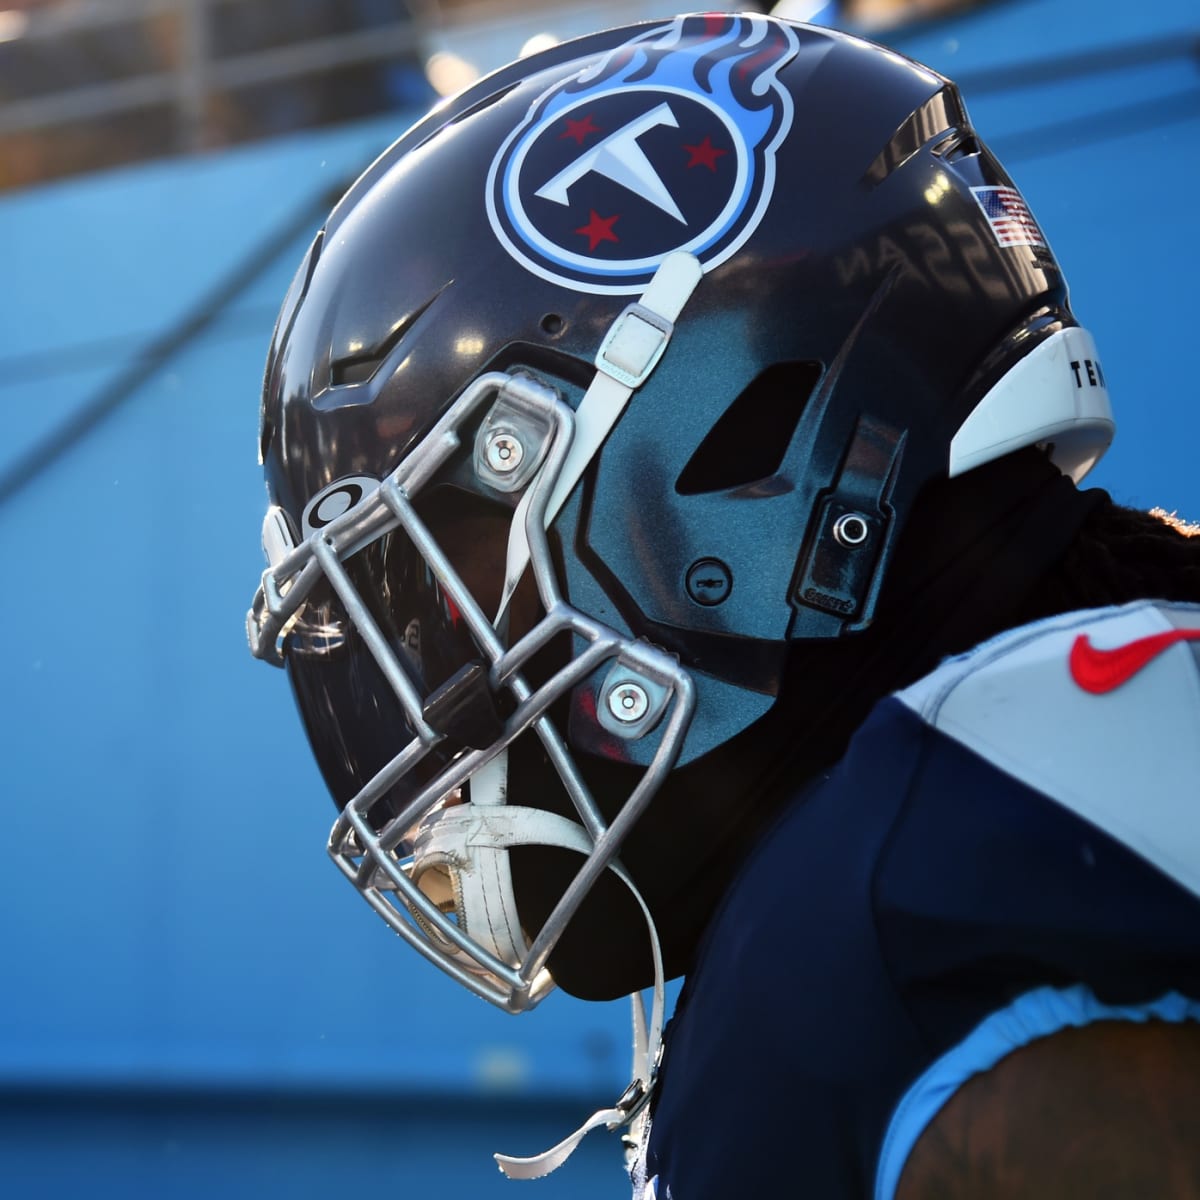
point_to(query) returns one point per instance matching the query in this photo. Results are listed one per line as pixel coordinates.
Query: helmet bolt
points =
(504, 451)
(851, 529)
(628, 702)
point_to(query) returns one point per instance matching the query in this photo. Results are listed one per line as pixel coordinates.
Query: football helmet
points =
(609, 385)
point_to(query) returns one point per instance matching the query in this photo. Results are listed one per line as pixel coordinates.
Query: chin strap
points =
(457, 864)
(633, 1106)
(630, 351)
(470, 844)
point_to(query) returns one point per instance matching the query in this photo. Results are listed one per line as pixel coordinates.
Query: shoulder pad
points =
(1098, 710)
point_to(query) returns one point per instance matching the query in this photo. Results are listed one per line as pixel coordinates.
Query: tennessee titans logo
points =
(667, 143)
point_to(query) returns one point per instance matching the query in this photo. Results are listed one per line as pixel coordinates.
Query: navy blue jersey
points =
(1008, 848)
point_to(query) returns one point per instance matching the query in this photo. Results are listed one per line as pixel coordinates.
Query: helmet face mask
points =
(405, 870)
(609, 384)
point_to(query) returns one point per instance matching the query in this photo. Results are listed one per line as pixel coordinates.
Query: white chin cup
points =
(459, 863)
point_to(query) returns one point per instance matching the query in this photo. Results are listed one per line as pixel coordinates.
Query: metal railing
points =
(91, 83)
(181, 75)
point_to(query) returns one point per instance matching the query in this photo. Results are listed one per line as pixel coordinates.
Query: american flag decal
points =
(1009, 216)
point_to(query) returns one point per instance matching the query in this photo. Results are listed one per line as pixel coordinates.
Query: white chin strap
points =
(461, 854)
(627, 357)
(468, 846)
(460, 867)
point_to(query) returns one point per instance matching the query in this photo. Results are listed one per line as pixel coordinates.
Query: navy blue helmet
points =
(603, 392)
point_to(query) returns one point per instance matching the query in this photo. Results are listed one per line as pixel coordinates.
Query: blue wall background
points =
(193, 1003)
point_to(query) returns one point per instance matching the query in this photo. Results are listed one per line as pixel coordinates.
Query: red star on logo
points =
(599, 229)
(704, 155)
(579, 129)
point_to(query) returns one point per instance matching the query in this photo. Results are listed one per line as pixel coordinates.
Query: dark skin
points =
(1108, 1112)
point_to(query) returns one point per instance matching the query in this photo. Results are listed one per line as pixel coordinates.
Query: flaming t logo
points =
(666, 143)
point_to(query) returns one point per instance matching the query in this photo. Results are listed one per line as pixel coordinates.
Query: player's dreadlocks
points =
(1122, 554)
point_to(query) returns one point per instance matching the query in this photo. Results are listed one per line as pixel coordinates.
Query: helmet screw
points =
(851, 529)
(504, 451)
(628, 702)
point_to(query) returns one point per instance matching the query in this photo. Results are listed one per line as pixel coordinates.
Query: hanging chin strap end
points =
(626, 1111)
(534, 827)
(552, 1159)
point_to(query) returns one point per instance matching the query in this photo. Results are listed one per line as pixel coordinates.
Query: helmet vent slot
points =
(354, 370)
(750, 439)
(943, 112)
(960, 144)
(361, 368)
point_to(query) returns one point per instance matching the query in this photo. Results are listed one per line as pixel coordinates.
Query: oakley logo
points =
(338, 498)
(1099, 671)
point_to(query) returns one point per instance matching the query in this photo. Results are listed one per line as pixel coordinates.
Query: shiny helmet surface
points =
(605, 388)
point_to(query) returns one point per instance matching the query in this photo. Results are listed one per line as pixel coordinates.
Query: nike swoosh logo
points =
(1099, 671)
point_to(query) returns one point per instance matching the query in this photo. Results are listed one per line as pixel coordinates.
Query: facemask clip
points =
(511, 444)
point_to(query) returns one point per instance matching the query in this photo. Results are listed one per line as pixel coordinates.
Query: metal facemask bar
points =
(374, 860)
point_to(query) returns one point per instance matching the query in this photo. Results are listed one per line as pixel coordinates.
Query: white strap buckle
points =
(630, 351)
(633, 345)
